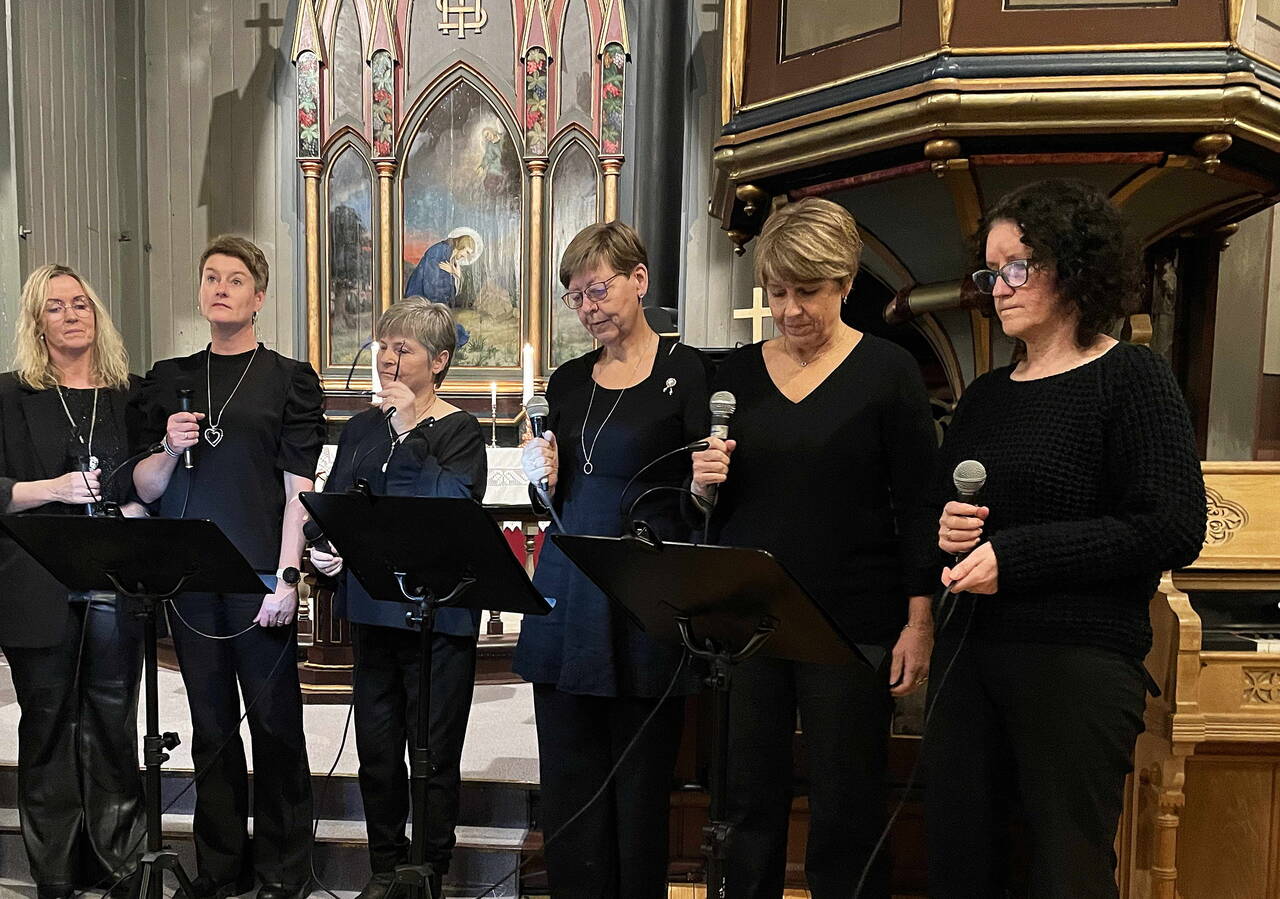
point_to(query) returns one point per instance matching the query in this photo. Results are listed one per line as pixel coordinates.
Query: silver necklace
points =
(213, 433)
(75, 428)
(587, 467)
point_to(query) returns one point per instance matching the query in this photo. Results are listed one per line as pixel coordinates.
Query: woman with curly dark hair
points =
(1093, 488)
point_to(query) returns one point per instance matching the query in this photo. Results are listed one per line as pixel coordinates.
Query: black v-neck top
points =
(274, 423)
(838, 485)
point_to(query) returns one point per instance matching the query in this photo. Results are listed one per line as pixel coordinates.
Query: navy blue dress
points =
(586, 646)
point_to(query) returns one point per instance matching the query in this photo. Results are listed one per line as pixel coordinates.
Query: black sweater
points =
(1094, 488)
(839, 485)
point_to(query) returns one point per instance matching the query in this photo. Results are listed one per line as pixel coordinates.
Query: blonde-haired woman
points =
(428, 447)
(831, 462)
(75, 664)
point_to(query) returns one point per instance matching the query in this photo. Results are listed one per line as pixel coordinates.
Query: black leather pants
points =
(79, 787)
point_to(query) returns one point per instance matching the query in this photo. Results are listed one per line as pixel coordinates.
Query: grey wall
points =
(220, 147)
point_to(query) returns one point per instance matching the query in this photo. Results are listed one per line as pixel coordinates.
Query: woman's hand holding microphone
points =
(960, 531)
(540, 460)
(711, 465)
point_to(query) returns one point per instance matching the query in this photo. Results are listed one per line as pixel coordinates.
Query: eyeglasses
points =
(57, 308)
(1013, 273)
(596, 293)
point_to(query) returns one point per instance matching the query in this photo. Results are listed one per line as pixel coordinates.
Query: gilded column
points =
(612, 169)
(311, 176)
(386, 169)
(537, 169)
(613, 60)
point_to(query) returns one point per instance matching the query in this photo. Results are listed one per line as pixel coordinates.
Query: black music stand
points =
(724, 604)
(426, 553)
(147, 560)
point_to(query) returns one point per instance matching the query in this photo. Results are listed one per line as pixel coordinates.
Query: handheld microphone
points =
(184, 405)
(537, 408)
(82, 463)
(315, 536)
(723, 404)
(969, 477)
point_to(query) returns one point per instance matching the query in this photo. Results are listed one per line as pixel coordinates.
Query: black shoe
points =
(55, 891)
(283, 891)
(205, 887)
(125, 887)
(377, 886)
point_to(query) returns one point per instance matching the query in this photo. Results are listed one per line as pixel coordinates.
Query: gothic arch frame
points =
(572, 136)
(329, 21)
(440, 87)
(345, 140)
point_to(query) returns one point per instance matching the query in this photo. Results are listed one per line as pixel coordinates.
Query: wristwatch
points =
(289, 575)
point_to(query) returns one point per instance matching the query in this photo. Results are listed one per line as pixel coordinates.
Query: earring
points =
(42, 337)
(255, 318)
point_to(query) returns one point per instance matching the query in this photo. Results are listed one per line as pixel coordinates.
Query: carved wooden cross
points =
(264, 23)
(758, 312)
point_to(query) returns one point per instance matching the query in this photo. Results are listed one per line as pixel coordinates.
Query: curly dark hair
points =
(1073, 229)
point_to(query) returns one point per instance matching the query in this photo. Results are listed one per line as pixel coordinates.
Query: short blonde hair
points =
(110, 365)
(614, 243)
(807, 241)
(246, 251)
(431, 324)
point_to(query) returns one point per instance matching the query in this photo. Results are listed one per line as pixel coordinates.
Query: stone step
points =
(482, 855)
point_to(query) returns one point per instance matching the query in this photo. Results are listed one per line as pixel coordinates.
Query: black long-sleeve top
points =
(1094, 488)
(837, 486)
(438, 457)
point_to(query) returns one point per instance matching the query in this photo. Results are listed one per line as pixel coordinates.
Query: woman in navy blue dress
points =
(596, 675)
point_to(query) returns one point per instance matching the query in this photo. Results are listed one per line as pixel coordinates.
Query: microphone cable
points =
(196, 778)
(608, 778)
(324, 793)
(915, 768)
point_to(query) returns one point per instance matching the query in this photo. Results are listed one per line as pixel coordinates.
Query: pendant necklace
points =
(587, 467)
(75, 428)
(213, 433)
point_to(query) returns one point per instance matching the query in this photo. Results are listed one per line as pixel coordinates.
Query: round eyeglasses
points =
(596, 293)
(1013, 273)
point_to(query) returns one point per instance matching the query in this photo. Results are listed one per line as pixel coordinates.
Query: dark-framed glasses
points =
(596, 293)
(1013, 273)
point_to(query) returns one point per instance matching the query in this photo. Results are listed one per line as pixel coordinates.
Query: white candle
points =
(528, 371)
(373, 373)
(493, 394)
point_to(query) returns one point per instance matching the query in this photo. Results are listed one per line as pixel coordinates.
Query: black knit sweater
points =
(1094, 488)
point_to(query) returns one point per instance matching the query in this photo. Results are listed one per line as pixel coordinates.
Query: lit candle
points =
(528, 371)
(493, 394)
(376, 382)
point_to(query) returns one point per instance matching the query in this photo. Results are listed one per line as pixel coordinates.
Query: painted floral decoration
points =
(535, 101)
(614, 60)
(308, 105)
(383, 97)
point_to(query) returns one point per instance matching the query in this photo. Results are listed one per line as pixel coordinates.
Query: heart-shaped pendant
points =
(213, 435)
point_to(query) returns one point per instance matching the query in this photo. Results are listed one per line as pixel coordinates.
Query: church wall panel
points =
(69, 167)
(220, 137)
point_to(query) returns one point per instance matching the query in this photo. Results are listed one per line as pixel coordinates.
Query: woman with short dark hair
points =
(596, 675)
(427, 447)
(255, 432)
(1093, 488)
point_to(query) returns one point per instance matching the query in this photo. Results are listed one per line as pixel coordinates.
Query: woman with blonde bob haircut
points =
(831, 462)
(75, 660)
(414, 444)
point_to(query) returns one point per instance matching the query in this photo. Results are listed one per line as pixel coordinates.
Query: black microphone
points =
(82, 464)
(723, 404)
(315, 536)
(184, 405)
(537, 408)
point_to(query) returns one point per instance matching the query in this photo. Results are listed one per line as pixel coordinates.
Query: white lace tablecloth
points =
(507, 484)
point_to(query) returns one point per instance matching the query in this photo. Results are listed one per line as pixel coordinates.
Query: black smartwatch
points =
(290, 576)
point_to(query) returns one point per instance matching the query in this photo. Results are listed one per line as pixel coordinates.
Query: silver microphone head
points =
(537, 406)
(969, 478)
(723, 403)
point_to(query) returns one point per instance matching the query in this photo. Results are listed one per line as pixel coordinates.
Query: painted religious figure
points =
(463, 199)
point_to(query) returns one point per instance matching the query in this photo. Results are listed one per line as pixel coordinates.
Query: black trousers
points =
(79, 787)
(385, 694)
(262, 665)
(1052, 727)
(844, 713)
(618, 849)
